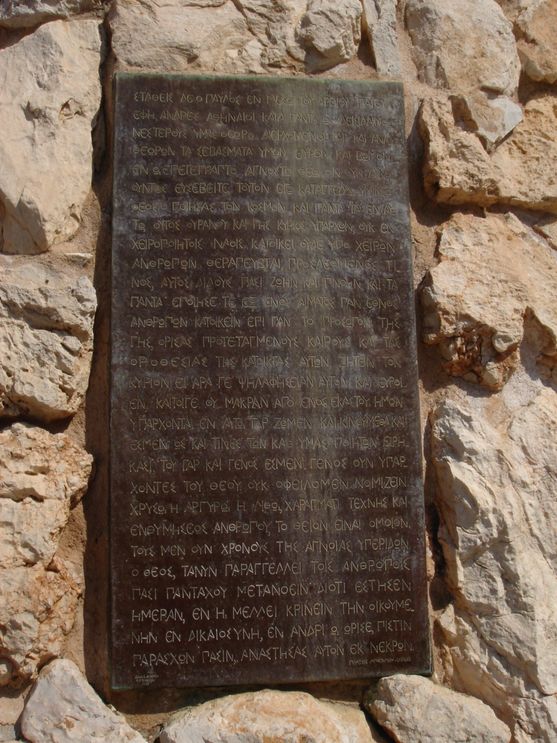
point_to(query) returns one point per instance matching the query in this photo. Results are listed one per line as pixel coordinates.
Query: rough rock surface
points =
(537, 46)
(330, 31)
(468, 47)
(498, 507)
(535, 22)
(267, 716)
(463, 45)
(497, 504)
(457, 169)
(512, 8)
(63, 708)
(18, 14)
(379, 21)
(274, 26)
(547, 227)
(521, 172)
(415, 710)
(36, 613)
(46, 335)
(493, 275)
(5, 671)
(478, 669)
(176, 36)
(491, 299)
(491, 119)
(527, 160)
(41, 476)
(50, 97)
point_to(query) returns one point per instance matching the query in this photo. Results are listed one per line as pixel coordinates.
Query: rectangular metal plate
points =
(266, 507)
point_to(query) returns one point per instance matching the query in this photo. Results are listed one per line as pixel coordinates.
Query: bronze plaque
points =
(267, 507)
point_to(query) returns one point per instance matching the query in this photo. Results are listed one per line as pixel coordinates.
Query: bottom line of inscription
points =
(359, 652)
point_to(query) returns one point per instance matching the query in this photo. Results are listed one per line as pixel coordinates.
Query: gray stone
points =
(491, 119)
(547, 227)
(379, 21)
(8, 734)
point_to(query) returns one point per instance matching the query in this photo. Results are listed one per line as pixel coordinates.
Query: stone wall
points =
(480, 81)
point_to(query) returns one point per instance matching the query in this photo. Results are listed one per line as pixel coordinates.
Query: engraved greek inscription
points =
(202, 188)
(145, 150)
(265, 508)
(147, 638)
(140, 114)
(178, 115)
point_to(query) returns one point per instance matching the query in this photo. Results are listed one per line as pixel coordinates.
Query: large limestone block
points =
(537, 46)
(63, 708)
(463, 45)
(41, 476)
(50, 97)
(483, 655)
(268, 717)
(521, 172)
(535, 23)
(498, 509)
(330, 31)
(37, 611)
(468, 47)
(18, 14)
(172, 36)
(46, 338)
(476, 668)
(415, 710)
(29, 531)
(274, 25)
(527, 160)
(457, 168)
(379, 22)
(494, 273)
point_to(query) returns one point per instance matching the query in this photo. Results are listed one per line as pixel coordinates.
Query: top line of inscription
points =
(358, 98)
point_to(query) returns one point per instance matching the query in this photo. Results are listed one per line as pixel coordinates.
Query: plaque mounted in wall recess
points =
(267, 517)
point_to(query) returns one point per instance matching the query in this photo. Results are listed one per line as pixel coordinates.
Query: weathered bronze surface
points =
(267, 513)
